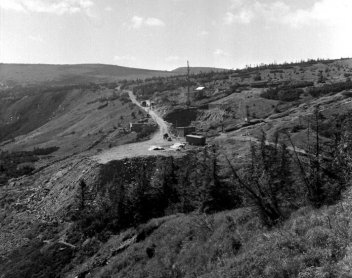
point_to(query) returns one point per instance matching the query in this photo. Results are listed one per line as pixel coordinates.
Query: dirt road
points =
(157, 138)
(139, 148)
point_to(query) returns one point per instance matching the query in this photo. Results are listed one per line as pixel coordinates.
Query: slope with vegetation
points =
(269, 195)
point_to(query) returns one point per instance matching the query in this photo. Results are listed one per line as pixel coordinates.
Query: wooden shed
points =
(196, 140)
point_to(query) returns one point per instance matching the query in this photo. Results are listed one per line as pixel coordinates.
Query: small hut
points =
(196, 140)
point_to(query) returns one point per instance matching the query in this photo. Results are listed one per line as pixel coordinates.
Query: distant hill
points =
(196, 70)
(20, 74)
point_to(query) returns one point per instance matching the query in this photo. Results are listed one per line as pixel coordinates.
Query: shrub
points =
(45, 151)
(267, 182)
(330, 88)
(288, 94)
(325, 177)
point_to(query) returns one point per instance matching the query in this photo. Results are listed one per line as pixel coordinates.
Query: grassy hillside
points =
(196, 70)
(59, 116)
(269, 196)
(272, 95)
(20, 74)
(107, 231)
(40, 124)
(229, 244)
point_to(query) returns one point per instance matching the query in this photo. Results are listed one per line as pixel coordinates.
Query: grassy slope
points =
(73, 120)
(236, 95)
(312, 243)
(195, 70)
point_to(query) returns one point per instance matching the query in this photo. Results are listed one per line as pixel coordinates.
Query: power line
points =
(188, 96)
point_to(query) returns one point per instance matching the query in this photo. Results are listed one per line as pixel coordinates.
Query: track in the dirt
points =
(139, 148)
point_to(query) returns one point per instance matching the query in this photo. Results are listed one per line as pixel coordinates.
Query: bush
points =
(16, 164)
(45, 151)
(330, 89)
(267, 182)
(282, 94)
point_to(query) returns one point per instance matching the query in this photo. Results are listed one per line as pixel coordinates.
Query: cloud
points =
(243, 17)
(330, 12)
(137, 22)
(333, 17)
(152, 21)
(277, 12)
(124, 58)
(325, 12)
(244, 12)
(12, 5)
(220, 53)
(57, 7)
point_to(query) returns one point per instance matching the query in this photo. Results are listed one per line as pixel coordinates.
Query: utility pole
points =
(188, 96)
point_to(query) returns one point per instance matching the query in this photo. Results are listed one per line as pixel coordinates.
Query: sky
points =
(164, 34)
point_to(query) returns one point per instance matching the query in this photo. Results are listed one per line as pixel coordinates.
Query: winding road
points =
(142, 148)
(139, 148)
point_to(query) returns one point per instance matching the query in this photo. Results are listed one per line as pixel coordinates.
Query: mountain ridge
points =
(15, 74)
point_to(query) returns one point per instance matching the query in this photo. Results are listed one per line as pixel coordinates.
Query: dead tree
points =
(82, 186)
(267, 181)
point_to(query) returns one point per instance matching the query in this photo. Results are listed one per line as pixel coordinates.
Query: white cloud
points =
(137, 22)
(125, 58)
(58, 7)
(12, 5)
(152, 21)
(275, 12)
(244, 16)
(331, 12)
(220, 53)
(244, 12)
(333, 17)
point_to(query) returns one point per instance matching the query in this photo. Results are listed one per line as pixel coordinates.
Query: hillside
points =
(57, 116)
(196, 70)
(81, 194)
(20, 74)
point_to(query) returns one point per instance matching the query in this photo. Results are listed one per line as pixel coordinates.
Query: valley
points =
(83, 194)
